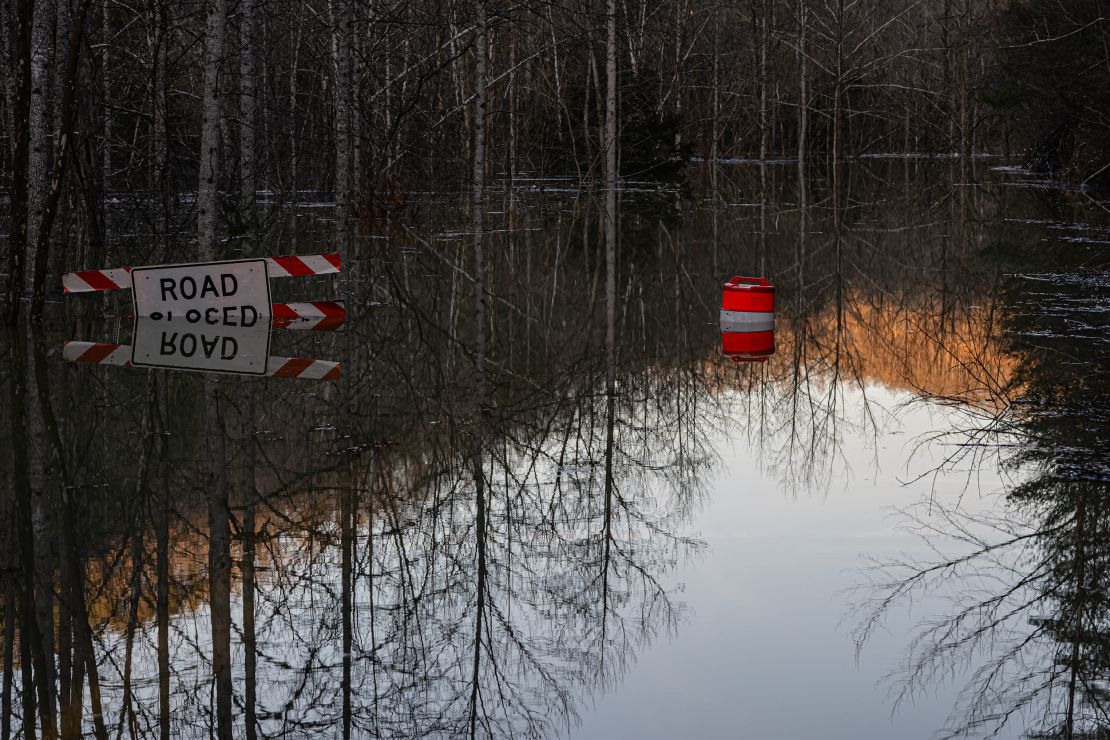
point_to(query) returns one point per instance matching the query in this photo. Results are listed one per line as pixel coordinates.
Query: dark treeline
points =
(247, 103)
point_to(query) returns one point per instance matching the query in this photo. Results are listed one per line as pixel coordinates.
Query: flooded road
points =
(537, 493)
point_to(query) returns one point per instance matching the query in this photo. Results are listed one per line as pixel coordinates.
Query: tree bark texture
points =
(215, 18)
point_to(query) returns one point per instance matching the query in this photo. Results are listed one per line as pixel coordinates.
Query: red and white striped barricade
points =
(119, 355)
(748, 319)
(97, 353)
(180, 344)
(119, 278)
(309, 315)
(229, 294)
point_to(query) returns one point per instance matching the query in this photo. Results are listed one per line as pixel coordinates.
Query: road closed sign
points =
(208, 294)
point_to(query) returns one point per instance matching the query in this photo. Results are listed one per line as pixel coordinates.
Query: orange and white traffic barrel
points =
(748, 319)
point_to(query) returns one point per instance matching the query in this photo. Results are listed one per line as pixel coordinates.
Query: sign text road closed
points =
(228, 294)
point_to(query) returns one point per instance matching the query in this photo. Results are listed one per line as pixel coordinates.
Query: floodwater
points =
(524, 492)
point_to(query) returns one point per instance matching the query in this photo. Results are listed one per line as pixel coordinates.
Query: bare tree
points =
(213, 114)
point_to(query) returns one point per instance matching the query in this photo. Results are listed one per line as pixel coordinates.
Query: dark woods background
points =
(135, 107)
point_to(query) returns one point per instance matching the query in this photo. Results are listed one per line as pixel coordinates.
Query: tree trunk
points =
(478, 187)
(764, 32)
(39, 134)
(66, 117)
(43, 528)
(6, 64)
(215, 18)
(21, 106)
(803, 93)
(162, 556)
(965, 95)
(291, 132)
(715, 124)
(107, 120)
(341, 66)
(8, 576)
(354, 97)
(481, 80)
(346, 598)
(219, 557)
(610, 134)
(36, 646)
(247, 108)
(249, 497)
(159, 129)
(8, 571)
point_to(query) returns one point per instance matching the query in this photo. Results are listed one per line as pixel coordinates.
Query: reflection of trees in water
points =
(368, 533)
(1029, 614)
(356, 529)
(385, 560)
(880, 285)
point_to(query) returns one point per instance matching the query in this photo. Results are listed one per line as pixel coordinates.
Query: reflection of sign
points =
(212, 294)
(184, 345)
(119, 355)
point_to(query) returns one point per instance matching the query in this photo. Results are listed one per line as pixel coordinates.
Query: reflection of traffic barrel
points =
(748, 319)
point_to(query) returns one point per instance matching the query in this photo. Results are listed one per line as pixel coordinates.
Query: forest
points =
(200, 119)
(482, 523)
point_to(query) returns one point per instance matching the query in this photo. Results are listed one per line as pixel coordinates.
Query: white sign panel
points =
(234, 293)
(183, 345)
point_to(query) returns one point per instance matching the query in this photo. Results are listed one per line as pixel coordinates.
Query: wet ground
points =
(539, 493)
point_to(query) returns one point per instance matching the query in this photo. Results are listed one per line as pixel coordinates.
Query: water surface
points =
(541, 501)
